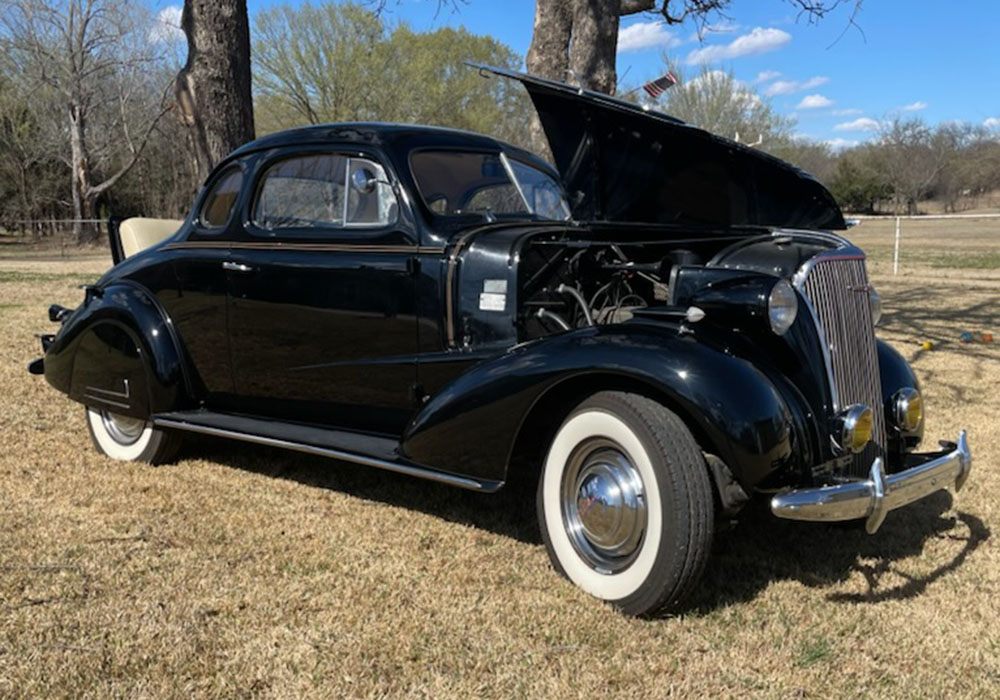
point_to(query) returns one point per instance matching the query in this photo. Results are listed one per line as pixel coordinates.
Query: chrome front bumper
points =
(874, 498)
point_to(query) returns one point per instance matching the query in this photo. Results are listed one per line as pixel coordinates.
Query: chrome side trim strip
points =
(409, 470)
(305, 246)
(108, 392)
(873, 498)
(100, 399)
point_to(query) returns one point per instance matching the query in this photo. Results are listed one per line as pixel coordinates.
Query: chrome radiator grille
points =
(837, 286)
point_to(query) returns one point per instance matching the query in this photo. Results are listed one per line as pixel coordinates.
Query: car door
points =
(322, 309)
(194, 292)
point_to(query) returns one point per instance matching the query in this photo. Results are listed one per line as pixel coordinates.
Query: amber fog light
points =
(856, 432)
(909, 408)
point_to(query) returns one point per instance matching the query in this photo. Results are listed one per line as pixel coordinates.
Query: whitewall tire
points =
(130, 439)
(625, 503)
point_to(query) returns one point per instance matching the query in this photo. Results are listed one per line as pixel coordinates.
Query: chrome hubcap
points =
(604, 505)
(124, 430)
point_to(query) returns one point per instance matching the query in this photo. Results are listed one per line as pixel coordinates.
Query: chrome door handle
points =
(236, 267)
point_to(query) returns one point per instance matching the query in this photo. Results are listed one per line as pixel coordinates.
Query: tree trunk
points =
(82, 232)
(595, 44)
(213, 87)
(548, 55)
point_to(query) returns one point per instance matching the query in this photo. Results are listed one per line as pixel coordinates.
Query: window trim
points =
(517, 183)
(268, 163)
(199, 218)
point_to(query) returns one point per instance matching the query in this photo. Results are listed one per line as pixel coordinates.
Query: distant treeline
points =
(341, 62)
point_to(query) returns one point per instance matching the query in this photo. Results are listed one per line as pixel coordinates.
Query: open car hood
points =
(620, 162)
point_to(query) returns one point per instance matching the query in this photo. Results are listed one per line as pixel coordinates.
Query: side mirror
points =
(364, 181)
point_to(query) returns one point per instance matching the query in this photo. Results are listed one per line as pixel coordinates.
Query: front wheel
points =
(130, 439)
(625, 503)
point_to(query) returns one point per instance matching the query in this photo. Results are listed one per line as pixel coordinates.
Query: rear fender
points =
(118, 350)
(471, 426)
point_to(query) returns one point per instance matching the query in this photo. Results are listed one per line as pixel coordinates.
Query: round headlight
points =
(909, 408)
(857, 422)
(875, 300)
(782, 307)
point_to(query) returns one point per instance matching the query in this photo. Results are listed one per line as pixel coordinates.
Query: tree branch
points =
(96, 190)
(631, 7)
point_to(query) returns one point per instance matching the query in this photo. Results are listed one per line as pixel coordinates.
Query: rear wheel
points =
(625, 503)
(130, 439)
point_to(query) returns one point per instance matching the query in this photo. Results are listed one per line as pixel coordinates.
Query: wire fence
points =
(923, 233)
(50, 234)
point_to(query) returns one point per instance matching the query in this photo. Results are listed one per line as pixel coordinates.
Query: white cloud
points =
(839, 144)
(814, 81)
(849, 112)
(814, 102)
(758, 41)
(859, 124)
(646, 35)
(914, 107)
(788, 87)
(992, 123)
(167, 26)
(766, 76)
(723, 28)
(781, 87)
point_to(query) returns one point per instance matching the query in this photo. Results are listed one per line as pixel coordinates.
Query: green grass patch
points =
(814, 651)
(969, 260)
(13, 276)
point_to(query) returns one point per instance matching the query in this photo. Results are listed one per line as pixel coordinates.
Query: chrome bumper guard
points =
(874, 498)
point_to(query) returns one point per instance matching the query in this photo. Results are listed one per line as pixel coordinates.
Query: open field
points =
(253, 572)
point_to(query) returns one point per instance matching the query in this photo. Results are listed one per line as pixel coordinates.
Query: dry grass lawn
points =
(243, 571)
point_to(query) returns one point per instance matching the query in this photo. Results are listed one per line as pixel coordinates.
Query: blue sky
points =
(915, 56)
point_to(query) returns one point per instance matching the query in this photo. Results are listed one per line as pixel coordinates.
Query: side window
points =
(219, 202)
(370, 199)
(302, 192)
(324, 191)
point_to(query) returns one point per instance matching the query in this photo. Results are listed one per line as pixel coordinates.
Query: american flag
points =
(657, 87)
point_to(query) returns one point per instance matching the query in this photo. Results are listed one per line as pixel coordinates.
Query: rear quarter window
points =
(221, 198)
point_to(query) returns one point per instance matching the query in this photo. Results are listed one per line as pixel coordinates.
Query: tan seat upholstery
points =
(138, 233)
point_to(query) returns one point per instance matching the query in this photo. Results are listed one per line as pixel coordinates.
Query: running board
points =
(335, 444)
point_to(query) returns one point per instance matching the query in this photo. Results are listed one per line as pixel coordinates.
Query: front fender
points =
(471, 425)
(119, 346)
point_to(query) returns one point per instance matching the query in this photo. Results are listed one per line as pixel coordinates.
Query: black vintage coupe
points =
(659, 330)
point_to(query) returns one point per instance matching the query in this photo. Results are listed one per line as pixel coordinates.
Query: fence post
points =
(895, 252)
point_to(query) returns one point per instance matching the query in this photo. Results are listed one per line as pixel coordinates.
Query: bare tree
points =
(90, 53)
(714, 100)
(26, 148)
(213, 87)
(912, 159)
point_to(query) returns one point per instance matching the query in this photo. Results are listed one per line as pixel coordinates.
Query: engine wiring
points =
(612, 302)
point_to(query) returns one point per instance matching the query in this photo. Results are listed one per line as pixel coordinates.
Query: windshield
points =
(453, 183)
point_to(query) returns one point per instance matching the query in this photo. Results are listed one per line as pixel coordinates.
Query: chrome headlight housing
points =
(875, 301)
(857, 424)
(782, 307)
(908, 409)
